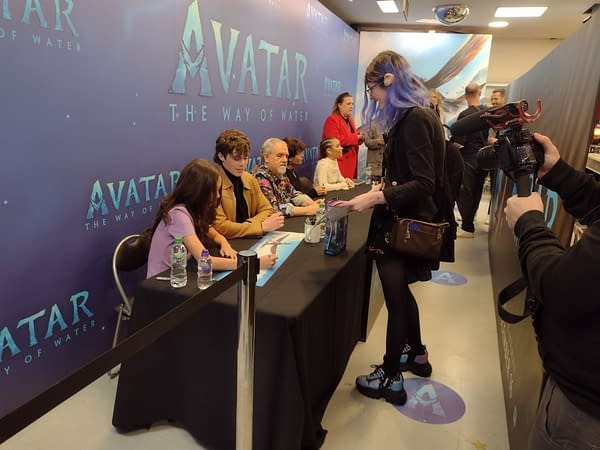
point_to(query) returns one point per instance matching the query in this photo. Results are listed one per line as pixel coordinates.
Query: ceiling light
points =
(498, 24)
(451, 14)
(521, 11)
(387, 6)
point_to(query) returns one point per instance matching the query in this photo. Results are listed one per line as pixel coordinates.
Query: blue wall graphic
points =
(102, 104)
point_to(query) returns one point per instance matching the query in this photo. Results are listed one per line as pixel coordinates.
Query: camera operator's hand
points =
(551, 155)
(517, 206)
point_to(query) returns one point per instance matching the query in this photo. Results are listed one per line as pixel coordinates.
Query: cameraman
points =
(567, 323)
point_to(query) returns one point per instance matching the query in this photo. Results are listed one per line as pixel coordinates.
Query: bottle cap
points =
(178, 240)
(204, 253)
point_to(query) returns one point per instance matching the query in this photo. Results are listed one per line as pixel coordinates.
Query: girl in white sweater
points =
(327, 172)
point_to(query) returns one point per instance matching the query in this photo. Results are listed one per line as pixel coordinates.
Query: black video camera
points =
(516, 152)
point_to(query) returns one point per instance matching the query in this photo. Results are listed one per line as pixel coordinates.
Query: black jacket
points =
(565, 282)
(474, 141)
(413, 164)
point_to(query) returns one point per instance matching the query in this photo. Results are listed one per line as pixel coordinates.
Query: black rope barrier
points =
(29, 412)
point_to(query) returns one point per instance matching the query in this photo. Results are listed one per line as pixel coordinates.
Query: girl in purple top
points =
(187, 213)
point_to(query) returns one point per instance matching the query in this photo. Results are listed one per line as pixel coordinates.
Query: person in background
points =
(497, 97)
(244, 210)
(188, 212)
(276, 186)
(563, 280)
(340, 124)
(413, 164)
(473, 176)
(374, 142)
(436, 105)
(327, 172)
(296, 150)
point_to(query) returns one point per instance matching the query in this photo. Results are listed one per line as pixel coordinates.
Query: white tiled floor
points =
(459, 329)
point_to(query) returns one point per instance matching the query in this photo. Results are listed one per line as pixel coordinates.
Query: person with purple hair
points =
(413, 166)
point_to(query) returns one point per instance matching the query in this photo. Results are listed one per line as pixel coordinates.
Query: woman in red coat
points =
(340, 125)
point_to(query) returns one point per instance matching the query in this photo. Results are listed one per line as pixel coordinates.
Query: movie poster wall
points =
(102, 105)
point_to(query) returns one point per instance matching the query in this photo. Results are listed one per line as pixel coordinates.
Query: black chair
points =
(130, 254)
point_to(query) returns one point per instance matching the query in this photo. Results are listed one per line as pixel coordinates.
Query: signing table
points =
(309, 316)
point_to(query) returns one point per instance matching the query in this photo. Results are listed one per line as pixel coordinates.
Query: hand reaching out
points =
(364, 201)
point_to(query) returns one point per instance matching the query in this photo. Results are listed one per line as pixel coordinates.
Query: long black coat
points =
(413, 165)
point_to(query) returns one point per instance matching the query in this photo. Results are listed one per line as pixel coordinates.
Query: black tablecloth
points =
(309, 317)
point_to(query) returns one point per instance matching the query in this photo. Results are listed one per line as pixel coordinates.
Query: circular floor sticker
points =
(446, 277)
(431, 402)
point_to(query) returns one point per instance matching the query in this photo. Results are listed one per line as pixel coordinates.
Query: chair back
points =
(306, 184)
(130, 254)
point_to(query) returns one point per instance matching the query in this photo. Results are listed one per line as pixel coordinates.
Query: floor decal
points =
(431, 402)
(448, 278)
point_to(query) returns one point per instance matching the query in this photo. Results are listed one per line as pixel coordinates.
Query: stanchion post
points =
(245, 351)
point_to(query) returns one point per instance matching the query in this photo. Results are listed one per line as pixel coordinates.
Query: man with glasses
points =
(276, 186)
(243, 211)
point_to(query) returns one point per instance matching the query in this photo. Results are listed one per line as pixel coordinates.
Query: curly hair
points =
(196, 189)
(234, 142)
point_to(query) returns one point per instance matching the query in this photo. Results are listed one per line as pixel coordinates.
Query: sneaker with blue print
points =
(417, 363)
(377, 385)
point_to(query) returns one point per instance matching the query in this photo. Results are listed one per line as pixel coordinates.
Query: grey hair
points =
(268, 145)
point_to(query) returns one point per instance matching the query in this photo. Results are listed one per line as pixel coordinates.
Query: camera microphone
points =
(470, 124)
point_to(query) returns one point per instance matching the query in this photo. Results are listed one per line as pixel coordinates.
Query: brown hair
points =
(196, 188)
(234, 142)
(339, 99)
(295, 145)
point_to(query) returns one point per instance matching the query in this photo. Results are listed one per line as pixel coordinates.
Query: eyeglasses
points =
(368, 89)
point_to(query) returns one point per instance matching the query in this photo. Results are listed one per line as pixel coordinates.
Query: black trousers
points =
(403, 325)
(470, 194)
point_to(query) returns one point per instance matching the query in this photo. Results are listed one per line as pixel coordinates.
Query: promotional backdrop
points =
(102, 104)
(446, 62)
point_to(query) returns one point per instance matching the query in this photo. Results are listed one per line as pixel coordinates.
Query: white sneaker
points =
(460, 233)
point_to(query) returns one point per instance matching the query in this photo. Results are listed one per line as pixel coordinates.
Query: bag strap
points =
(511, 291)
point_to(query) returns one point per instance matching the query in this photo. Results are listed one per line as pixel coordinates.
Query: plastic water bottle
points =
(368, 174)
(204, 270)
(178, 263)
